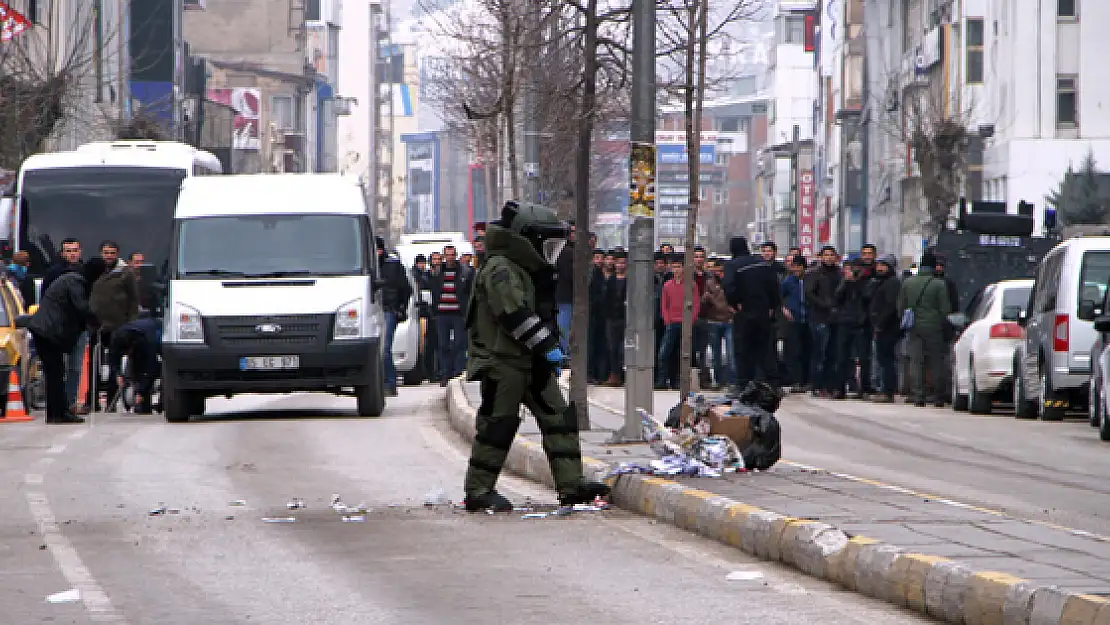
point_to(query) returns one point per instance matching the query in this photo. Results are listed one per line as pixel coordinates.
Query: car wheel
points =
(1023, 408)
(416, 376)
(178, 406)
(978, 403)
(371, 398)
(1094, 404)
(1047, 412)
(959, 402)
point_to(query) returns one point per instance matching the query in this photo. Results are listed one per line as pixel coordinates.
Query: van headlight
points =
(348, 320)
(187, 324)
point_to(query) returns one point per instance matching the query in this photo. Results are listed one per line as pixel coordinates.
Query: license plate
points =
(269, 363)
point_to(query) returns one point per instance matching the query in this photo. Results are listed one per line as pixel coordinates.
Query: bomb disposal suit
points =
(514, 354)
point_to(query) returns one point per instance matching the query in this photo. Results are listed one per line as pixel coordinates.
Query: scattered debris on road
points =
(68, 596)
(436, 497)
(296, 503)
(743, 576)
(287, 519)
(238, 503)
(159, 511)
(354, 518)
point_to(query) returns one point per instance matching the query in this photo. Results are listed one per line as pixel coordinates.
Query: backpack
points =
(110, 299)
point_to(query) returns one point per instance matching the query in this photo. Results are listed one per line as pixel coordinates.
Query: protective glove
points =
(556, 357)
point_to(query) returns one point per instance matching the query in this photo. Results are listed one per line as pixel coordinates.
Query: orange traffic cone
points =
(14, 411)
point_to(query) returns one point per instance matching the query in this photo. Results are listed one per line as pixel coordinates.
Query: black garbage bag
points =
(759, 401)
(674, 417)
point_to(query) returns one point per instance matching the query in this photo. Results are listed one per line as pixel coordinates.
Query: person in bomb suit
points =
(515, 355)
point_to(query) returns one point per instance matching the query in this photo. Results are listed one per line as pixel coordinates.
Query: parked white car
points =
(983, 356)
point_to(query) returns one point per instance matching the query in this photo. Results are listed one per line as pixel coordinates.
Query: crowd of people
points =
(832, 325)
(94, 304)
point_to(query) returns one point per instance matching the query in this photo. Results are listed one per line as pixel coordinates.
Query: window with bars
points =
(974, 44)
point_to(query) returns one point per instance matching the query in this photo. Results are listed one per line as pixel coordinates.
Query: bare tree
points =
(935, 129)
(690, 27)
(55, 75)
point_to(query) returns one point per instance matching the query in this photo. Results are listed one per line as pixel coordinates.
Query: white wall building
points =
(1046, 85)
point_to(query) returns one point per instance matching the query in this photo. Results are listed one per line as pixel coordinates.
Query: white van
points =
(409, 356)
(273, 288)
(1053, 364)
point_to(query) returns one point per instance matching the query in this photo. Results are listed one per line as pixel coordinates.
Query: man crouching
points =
(514, 353)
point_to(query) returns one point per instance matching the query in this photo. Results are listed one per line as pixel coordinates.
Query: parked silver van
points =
(1052, 365)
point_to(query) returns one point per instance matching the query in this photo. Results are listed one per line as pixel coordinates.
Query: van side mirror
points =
(1023, 318)
(1102, 323)
(1088, 310)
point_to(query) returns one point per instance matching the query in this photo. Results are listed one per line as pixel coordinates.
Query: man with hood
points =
(752, 289)
(925, 297)
(885, 324)
(515, 355)
(61, 318)
(395, 294)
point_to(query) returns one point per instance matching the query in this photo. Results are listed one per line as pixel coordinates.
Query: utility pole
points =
(531, 117)
(639, 341)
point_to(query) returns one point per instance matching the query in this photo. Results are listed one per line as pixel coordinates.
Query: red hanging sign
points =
(807, 217)
(13, 23)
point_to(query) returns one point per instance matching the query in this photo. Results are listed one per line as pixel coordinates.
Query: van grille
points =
(247, 331)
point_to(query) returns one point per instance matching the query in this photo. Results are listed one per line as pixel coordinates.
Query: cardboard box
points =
(736, 427)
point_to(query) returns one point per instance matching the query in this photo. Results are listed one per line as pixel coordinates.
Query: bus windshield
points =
(132, 206)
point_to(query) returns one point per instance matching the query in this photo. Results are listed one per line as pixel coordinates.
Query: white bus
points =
(122, 191)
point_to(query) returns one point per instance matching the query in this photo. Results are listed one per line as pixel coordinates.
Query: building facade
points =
(292, 48)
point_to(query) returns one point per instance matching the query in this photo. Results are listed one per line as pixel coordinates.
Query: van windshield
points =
(1093, 277)
(259, 246)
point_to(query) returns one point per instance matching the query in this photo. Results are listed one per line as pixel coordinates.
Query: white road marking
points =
(94, 598)
(96, 601)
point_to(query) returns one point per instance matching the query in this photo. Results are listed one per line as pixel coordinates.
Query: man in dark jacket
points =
(597, 351)
(752, 288)
(885, 324)
(114, 301)
(56, 326)
(821, 284)
(850, 317)
(395, 294)
(927, 296)
(616, 305)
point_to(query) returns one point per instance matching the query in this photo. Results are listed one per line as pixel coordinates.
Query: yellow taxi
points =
(15, 343)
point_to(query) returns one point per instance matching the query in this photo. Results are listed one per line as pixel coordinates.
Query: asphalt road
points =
(77, 515)
(1056, 472)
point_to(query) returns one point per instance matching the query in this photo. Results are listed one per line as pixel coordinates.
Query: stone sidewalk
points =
(1028, 555)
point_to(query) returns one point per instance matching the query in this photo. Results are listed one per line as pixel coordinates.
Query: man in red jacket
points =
(671, 305)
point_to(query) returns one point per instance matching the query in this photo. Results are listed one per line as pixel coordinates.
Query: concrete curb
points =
(930, 585)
